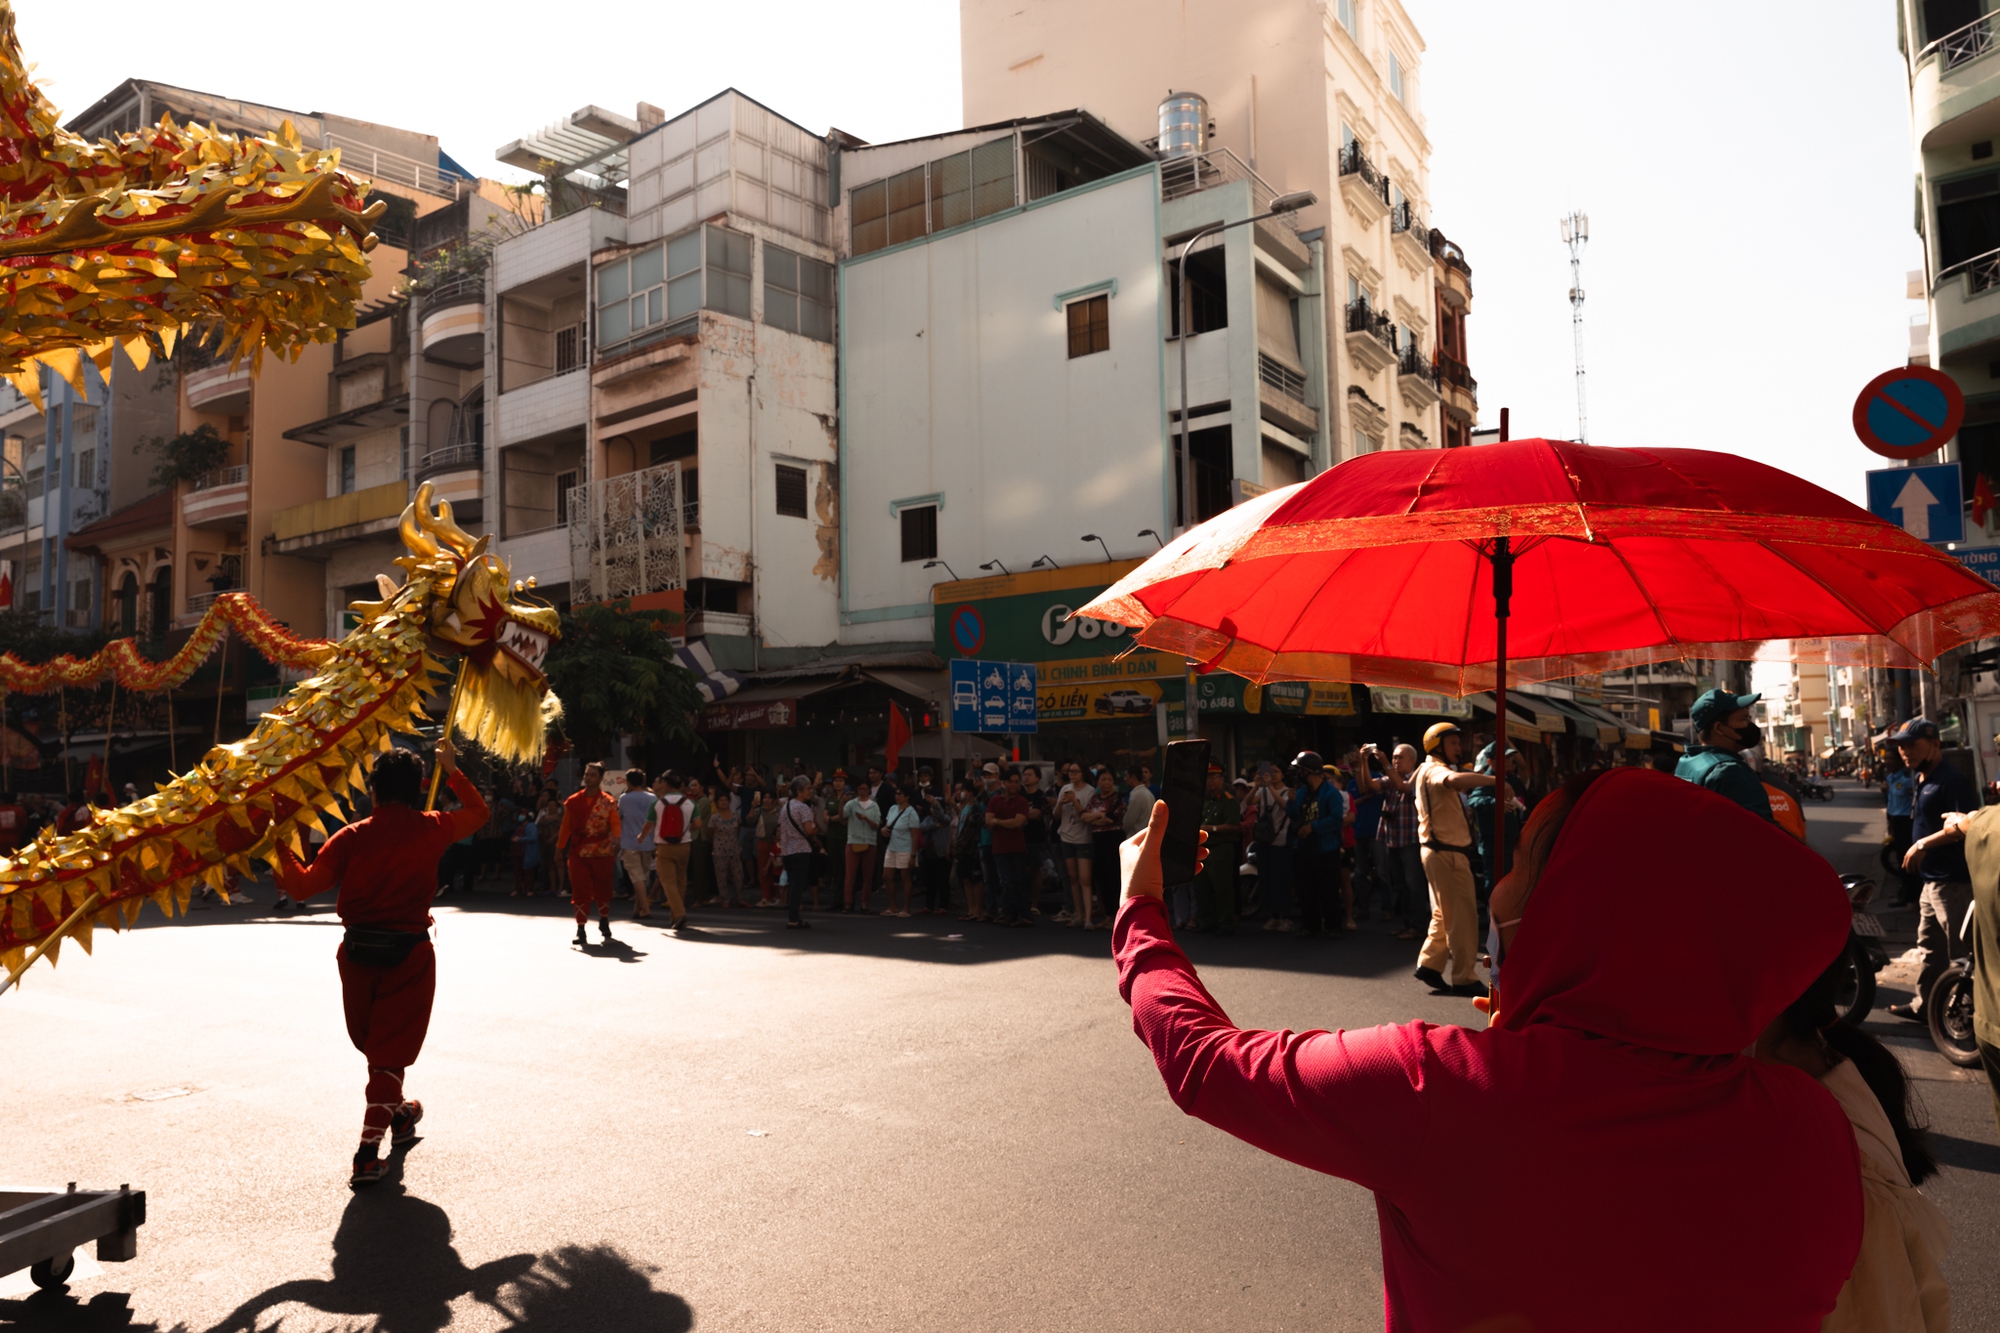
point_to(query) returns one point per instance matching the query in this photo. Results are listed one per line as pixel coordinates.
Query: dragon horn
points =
(413, 528)
(441, 526)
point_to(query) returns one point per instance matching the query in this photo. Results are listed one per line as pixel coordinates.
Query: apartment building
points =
(660, 369)
(1952, 50)
(1321, 97)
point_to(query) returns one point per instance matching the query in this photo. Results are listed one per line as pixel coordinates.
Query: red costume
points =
(589, 836)
(386, 867)
(1608, 1124)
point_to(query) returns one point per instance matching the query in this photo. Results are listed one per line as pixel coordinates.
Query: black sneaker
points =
(403, 1124)
(1473, 989)
(798, 925)
(1433, 978)
(580, 939)
(1909, 1011)
(603, 928)
(368, 1168)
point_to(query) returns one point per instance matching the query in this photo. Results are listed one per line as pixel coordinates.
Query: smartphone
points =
(1184, 787)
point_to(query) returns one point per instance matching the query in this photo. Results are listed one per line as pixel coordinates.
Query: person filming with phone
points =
(1608, 1154)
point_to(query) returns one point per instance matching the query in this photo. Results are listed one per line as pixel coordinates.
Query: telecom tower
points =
(1576, 231)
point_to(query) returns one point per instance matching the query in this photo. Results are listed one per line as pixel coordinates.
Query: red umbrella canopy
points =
(1379, 571)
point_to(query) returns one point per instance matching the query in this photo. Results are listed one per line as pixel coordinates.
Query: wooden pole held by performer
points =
(89, 904)
(450, 712)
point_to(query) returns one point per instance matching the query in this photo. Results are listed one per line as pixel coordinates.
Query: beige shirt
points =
(1896, 1286)
(1440, 813)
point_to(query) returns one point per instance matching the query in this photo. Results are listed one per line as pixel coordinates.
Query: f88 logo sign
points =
(1060, 624)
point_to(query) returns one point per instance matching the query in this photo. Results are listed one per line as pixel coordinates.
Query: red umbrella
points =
(1396, 568)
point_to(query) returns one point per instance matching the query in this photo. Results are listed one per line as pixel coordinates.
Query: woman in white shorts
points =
(899, 857)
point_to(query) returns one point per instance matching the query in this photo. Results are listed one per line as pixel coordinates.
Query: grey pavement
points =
(872, 1125)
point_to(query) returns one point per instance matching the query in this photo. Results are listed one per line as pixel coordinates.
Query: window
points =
(791, 492)
(919, 532)
(347, 470)
(949, 192)
(1089, 328)
(1345, 12)
(565, 482)
(728, 272)
(1395, 77)
(86, 469)
(569, 349)
(1968, 217)
(798, 293)
(662, 284)
(34, 483)
(1346, 139)
(82, 592)
(1207, 293)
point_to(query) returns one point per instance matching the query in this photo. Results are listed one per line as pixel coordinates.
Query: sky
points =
(1746, 168)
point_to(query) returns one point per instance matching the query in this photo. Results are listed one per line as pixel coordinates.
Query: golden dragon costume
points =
(246, 799)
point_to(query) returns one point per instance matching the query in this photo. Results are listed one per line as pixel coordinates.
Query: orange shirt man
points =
(589, 840)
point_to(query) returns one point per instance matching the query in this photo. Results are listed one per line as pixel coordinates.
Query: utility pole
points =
(1575, 233)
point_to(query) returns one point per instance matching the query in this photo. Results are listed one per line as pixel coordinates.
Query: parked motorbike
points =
(1948, 1009)
(1815, 788)
(1866, 954)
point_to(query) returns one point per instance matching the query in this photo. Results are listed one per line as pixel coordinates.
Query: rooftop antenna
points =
(1576, 233)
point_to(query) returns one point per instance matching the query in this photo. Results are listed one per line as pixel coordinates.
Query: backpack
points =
(1264, 832)
(673, 821)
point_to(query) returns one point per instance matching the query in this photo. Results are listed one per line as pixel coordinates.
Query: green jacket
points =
(1724, 773)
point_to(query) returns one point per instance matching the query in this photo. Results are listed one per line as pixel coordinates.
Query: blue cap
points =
(1916, 729)
(1712, 707)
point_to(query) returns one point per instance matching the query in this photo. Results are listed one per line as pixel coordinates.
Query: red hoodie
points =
(1603, 1157)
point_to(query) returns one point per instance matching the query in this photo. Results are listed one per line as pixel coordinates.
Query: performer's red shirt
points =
(590, 824)
(386, 865)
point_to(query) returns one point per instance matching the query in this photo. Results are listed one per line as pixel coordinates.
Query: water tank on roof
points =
(1183, 125)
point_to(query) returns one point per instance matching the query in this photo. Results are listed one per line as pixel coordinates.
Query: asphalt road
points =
(871, 1126)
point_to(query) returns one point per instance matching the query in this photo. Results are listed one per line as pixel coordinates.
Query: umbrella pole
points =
(1503, 593)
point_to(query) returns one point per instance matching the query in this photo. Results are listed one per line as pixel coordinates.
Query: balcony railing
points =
(379, 164)
(464, 289)
(201, 601)
(1362, 319)
(1204, 171)
(1975, 39)
(1354, 162)
(1456, 373)
(1412, 361)
(454, 457)
(1281, 377)
(1404, 217)
(1447, 252)
(1982, 272)
(222, 476)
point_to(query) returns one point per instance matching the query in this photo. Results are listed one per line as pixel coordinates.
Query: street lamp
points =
(933, 564)
(995, 564)
(1093, 537)
(1283, 204)
(1041, 560)
(1148, 532)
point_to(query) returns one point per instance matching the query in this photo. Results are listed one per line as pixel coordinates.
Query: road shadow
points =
(614, 949)
(1966, 1154)
(59, 1312)
(394, 1263)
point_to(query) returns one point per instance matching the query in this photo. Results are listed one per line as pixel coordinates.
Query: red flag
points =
(899, 736)
(1983, 502)
(6, 583)
(93, 777)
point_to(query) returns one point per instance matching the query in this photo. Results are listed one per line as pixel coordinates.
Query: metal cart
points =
(40, 1229)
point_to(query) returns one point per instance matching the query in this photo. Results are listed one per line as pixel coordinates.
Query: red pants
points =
(590, 881)
(388, 1013)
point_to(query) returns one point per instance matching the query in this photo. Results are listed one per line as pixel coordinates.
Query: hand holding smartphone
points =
(1184, 787)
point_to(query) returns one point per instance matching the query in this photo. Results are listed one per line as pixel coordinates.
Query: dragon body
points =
(244, 801)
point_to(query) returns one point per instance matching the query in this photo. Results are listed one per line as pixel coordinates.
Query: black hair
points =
(1812, 1017)
(397, 776)
(673, 779)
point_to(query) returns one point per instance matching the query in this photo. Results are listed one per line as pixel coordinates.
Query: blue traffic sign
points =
(1926, 502)
(1002, 698)
(1981, 560)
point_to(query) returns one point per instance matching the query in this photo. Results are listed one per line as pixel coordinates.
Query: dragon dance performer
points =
(386, 867)
(589, 838)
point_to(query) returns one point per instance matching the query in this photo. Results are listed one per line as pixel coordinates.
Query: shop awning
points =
(1586, 724)
(1530, 715)
(934, 687)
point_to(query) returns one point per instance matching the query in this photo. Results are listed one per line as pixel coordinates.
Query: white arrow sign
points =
(1914, 503)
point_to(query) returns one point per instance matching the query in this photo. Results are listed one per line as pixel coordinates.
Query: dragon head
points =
(466, 599)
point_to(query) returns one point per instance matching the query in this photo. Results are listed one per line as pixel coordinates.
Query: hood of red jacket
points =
(1671, 918)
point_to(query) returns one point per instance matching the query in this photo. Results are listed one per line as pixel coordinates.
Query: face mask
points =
(1748, 737)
